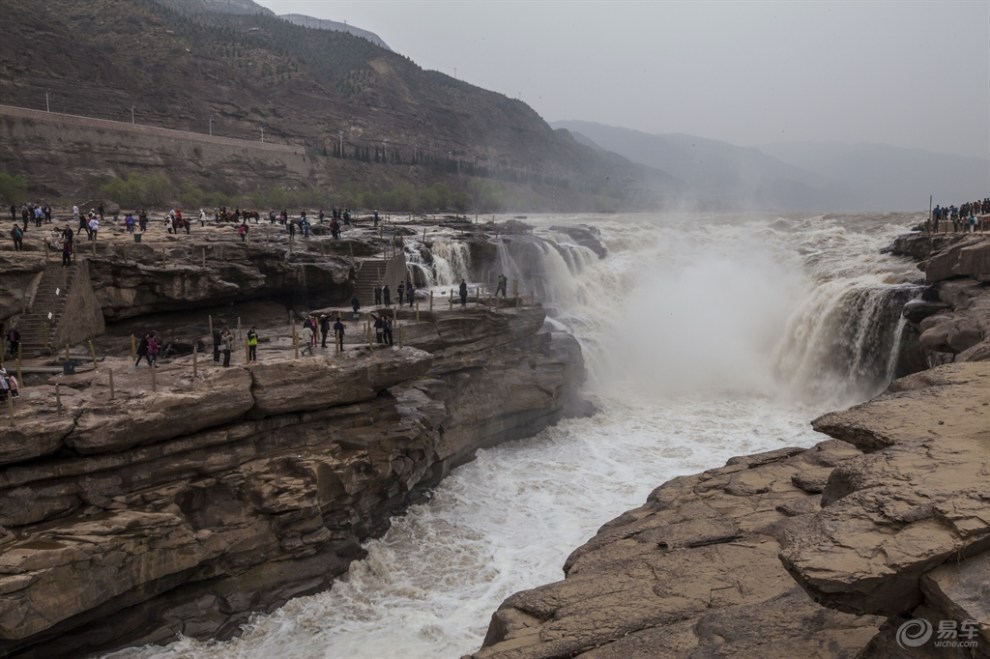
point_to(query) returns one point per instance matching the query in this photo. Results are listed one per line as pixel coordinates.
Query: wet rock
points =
(917, 310)
(968, 256)
(917, 500)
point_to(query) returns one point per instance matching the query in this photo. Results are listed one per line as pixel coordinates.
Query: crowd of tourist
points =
(967, 217)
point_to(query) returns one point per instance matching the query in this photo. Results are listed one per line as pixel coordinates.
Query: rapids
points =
(705, 336)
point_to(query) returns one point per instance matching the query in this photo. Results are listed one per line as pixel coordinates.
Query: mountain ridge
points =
(798, 175)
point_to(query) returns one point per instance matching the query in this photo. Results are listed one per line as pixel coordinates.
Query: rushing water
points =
(705, 337)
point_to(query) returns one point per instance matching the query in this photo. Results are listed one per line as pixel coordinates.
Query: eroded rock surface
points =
(185, 509)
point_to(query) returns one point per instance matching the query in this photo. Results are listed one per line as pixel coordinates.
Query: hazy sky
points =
(911, 74)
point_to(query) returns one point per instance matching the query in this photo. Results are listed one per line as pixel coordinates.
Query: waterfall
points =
(451, 262)
(843, 341)
(419, 269)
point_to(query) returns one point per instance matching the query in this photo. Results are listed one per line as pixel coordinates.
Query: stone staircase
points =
(372, 271)
(369, 273)
(37, 331)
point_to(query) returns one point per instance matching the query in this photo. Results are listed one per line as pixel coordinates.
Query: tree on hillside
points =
(13, 189)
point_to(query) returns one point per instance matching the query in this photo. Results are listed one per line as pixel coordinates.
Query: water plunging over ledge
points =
(707, 336)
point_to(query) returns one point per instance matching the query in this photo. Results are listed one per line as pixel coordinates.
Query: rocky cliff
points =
(139, 503)
(874, 543)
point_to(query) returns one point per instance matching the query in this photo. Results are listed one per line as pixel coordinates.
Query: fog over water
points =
(706, 336)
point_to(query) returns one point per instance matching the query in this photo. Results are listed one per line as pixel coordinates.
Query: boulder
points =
(968, 256)
(916, 501)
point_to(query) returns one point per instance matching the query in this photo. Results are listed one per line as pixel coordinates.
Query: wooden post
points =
(20, 376)
(431, 301)
(402, 334)
(204, 257)
(195, 360)
(477, 294)
(133, 348)
(66, 352)
(58, 400)
(247, 352)
(10, 406)
(395, 314)
(92, 353)
(417, 311)
(238, 328)
(111, 384)
(154, 379)
(367, 332)
(450, 301)
(295, 343)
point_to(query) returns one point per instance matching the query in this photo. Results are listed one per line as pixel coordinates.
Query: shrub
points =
(13, 189)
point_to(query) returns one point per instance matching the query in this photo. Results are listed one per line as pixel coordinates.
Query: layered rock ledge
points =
(130, 520)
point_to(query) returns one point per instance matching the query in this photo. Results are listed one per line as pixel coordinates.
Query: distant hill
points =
(891, 178)
(238, 7)
(798, 176)
(182, 64)
(715, 173)
(321, 24)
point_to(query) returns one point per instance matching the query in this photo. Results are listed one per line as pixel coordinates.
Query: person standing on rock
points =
(401, 290)
(379, 327)
(462, 289)
(502, 281)
(378, 295)
(252, 341)
(202, 217)
(94, 227)
(309, 335)
(17, 234)
(410, 293)
(242, 231)
(143, 220)
(338, 334)
(154, 347)
(227, 343)
(142, 351)
(13, 213)
(216, 346)
(66, 252)
(386, 296)
(324, 329)
(292, 230)
(13, 341)
(355, 305)
(388, 330)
